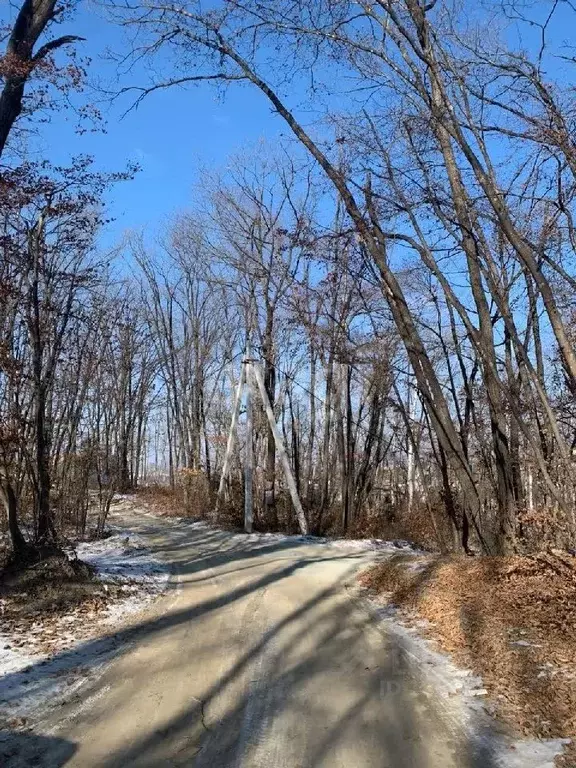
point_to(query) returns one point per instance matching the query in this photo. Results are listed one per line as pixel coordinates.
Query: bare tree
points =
(26, 57)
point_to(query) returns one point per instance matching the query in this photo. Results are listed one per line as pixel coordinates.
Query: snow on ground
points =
(123, 558)
(81, 641)
(33, 683)
(360, 545)
(258, 539)
(29, 681)
(13, 659)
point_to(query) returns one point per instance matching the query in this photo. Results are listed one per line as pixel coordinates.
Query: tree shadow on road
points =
(322, 709)
(25, 750)
(314, 681)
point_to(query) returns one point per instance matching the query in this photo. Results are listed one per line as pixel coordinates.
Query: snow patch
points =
(375, 545)
(524, 644)
(258, 539)
(13, 659)
(124, 558)
(29, 680)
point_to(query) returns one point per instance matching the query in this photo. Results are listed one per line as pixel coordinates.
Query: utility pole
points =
(291, 483)
(250, 373)
(249, 460)
(231, 438)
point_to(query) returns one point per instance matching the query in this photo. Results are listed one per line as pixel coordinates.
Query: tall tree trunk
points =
(484, 341)
(207, 459)
(342, 441)
(350, 448)
(270, 384)
(19, 545)
(294, 440)
(45, 529)
(312, 432)
(169, 437)
(328, 399)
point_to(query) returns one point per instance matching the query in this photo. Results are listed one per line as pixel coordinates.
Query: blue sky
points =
(172, 135)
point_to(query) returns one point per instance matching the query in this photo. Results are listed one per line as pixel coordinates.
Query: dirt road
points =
(259, 657)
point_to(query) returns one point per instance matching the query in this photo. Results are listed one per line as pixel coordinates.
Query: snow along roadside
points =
(460, 693)
(31, 677)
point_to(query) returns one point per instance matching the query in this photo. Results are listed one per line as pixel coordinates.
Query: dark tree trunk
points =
(270, 469)
(20, 548)
(45, 528)
(33, 18)
(326, 438)
(45, 531)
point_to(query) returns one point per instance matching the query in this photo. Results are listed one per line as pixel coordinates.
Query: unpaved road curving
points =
(260, 657)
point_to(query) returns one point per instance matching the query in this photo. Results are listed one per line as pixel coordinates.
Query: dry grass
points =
(162, 499)
(510, 619)
(189, 497)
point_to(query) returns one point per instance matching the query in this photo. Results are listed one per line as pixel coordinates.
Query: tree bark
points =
(20, 59)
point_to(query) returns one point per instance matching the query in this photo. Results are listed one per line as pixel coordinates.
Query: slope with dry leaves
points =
(510, 619)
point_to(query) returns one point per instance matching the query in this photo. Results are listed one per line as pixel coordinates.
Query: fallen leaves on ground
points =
(512, 620)
(46, 606)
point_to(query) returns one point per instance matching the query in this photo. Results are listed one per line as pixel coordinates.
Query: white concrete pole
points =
(231, 437)
(249, 459)
(291, 483)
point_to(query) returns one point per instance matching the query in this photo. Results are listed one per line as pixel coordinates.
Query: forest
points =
(400, 267)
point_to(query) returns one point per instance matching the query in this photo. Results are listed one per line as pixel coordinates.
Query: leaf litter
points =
(511, 620)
